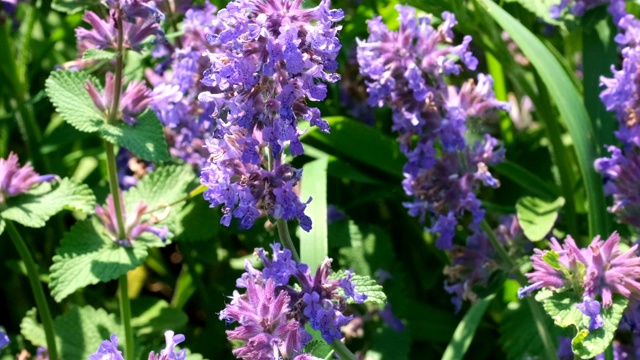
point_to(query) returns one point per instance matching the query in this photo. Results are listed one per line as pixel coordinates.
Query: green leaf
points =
(541, 8)
(466, 329)
(79, 331)
(97, 54)
(71, 6)
(87, 256)
(66, 91)
(553, 259)
(35, 207)
(570, 106)
(313, 244)
(195, 213)
(317, 346)
(364, 285)
(586, 344)
(145, 138)
(368, 249)
(389, 344)
(518, 335)
(152, 315)
(527, 180)
(537, 217)
(373, 147)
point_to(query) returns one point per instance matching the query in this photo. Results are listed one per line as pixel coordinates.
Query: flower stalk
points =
(36, 287)
(285, 238)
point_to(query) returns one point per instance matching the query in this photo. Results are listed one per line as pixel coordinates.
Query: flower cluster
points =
(473, 265)
(617, 8)
(272, 314)
(621, 170)
(16, 180)
(133, 225)
(406, 70)
(4, 339)
(269, 58)
(133, 100)
(177, 85)
(598, 271)
(109, 349)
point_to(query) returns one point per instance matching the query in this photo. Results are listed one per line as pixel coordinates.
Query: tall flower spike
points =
(134, 226)
(16, 180)
(108, 350)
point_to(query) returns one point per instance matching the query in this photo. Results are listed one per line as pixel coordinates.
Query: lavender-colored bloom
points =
(616, 8)
(133, 225)
(266, 325)
(133, 100)
(4, 338)
(131, 168)
(591, 308)
(169, 352)
(108, 350)
(16, 180)
(405, 70)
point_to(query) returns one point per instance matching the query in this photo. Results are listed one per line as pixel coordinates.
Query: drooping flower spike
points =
(16, 180)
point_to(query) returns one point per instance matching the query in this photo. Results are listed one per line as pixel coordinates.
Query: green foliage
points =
(466, 329)
(586, 343)
(71, 6)
(317, 346)
(145, 138)
(79, 331)
(97, 54)
(389, 344)
(35, 207)
(313, 244)
(364, 285)
(155, 316)
(537, 217)
(87, 256)
(518, 335)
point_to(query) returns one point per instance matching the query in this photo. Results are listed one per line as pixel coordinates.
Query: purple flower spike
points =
(591, 308)
(108, 350)
(4, 339)
(133, 227)
(133, 100)
(16, 180)
(616, 8)
(169, 352)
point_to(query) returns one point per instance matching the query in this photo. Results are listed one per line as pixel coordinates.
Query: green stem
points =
(329, 355)
(125, 315)
(115, 108)
(341, 349)
(500, 89)
(285, 238)
(534, 307)
(36, 287)
(608, 353)
(114, 186)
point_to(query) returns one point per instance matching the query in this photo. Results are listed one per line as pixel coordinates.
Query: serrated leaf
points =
(66, 91)
(364, 285)
(87, 256)
(97, 54)
(536, 216)
(588, 344)
(145, 138)
(79, 331)
(152, 315)
(561, 307)
(553, 259)
(35, 207)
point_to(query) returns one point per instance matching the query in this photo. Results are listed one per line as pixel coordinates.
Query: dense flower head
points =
(236, 181)
(4, 338)
(272, 314)
(133, 224)
(16, 180)
(617, 8)
(406, 70)
(108, 350)
(271, 58)
(598, 271)
(133, 100)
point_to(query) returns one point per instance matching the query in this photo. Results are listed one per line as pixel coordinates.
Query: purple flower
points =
(16, 180)
(42, 353)
(4, 339)
(405, 70)
(591, 308)
(616, 8)
(130, 168)
(133, 100)
(133, 225)
(271, 57)
(266, 324)
(281, 268)
(169, 352)
(108, 350)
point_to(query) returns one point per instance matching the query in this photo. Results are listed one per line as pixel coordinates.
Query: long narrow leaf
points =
(314, 244)
(569, 104)
(466, 330)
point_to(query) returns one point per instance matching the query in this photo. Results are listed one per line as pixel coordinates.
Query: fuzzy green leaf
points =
(87, 256)
(79, 331)
(537, 217)
(561, 307)
(145, 138)
(588, 344)
(97, 54)
(35, 207)
(364, 285)
(66, 91)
